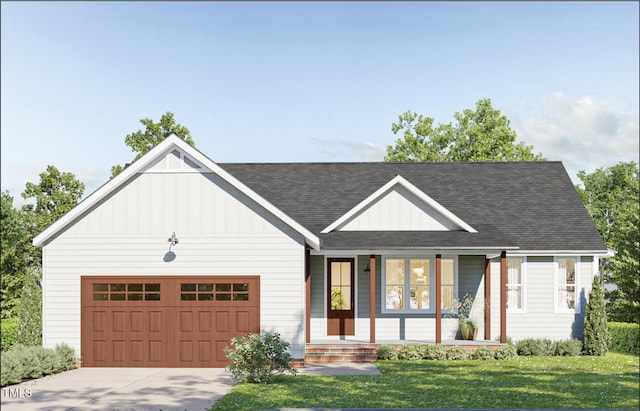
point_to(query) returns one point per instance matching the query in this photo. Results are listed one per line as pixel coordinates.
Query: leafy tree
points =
(142, 141)
(596, 332)
(611, 196)
(481, 135)
(30, 313)
(14, 236)
(55, 194)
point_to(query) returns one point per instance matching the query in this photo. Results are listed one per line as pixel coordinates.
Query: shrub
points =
(509, 340)
(457, 352)
(483, 353)
(434, 352)
(536, 346)
(625, 337)
(67, 355)
(506, 352)
(387, 352)
(256, 357)
(11, 370)
(410, 352)
(571, 348)
(596, 332)
(8, 333)
(30, 312)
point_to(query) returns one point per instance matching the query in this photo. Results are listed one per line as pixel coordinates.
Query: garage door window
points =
(124, 291)
(214, 292)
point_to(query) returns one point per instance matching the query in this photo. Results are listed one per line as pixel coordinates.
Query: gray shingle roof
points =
(531, 205)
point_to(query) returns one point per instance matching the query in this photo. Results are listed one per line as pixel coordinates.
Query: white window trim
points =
(432, 282)
(556, 284)
(523, 284)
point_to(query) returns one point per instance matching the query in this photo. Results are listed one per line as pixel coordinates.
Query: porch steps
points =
(329, 353)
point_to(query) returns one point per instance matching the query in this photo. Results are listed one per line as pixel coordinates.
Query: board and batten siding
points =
(220, 230)
(539, 318)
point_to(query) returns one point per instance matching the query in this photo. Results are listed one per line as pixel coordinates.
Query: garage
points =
(165, 321)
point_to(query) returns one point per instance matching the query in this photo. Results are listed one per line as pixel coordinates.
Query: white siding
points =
(220, 232)
(399, 210)
(539, 320)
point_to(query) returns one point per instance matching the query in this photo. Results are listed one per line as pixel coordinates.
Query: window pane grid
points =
(214, 292)
(126, 292)
(566, 292)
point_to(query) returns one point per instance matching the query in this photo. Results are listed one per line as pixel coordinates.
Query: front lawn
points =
(524, 382)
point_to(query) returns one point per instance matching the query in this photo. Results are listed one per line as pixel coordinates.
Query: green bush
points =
(30, 312)
(434, 352)
(457, 352)
(21, 363)
(387, 352)
(571, 348)
(596, 334)
(410, 352)
(8, 333)
(67, 355)
(483, 353)
(11, 370)
(536, 346)
(506, 352)
(256, 357)
(625, 337)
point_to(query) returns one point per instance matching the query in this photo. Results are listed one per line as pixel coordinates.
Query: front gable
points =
(399, 206)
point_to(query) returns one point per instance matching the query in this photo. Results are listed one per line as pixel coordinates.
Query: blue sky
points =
(309, 81)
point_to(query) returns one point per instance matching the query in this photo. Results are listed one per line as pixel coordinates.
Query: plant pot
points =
(468, 331)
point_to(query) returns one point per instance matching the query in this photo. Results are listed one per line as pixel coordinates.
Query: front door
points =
(340, 296)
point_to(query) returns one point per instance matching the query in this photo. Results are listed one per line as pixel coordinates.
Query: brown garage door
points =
(135, 321)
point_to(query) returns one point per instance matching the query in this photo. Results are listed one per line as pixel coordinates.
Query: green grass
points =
(525, 382)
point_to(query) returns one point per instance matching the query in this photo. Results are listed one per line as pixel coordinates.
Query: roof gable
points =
(399, 206)
(172, 153)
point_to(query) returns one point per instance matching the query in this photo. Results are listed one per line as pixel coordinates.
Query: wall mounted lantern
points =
(173, 239)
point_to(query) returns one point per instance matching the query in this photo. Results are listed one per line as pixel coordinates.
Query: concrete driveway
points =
(121, 389)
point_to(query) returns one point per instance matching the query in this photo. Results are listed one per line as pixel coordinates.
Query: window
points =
(515, 280)
(566, 284)
(126, 292)
(214, 292)
(407, 284)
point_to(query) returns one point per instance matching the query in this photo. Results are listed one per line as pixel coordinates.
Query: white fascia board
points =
(597, 253)
(413, 251)
(142, 163)
(414, 190)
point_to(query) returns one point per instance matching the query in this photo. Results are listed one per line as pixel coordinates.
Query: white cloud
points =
(348, 151)
(584, 133)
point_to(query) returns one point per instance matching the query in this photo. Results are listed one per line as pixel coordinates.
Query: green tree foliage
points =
(483, 134)
(55, 194)
(611, 196)
(142, 141)
(14, 239)
(30, 313)
(596, 332)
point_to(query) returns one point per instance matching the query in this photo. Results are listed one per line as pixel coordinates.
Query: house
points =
(166, 262)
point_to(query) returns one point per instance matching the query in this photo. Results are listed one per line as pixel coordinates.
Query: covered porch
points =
(367, 315)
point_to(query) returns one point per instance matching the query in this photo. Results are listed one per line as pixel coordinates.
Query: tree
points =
(142, 141)
(55, 194)
(596, 332)
(30, 313)
(611, 196)
(13, 259)
(481, 135)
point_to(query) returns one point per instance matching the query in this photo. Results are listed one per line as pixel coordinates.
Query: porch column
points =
(372, 299)
(307, 284)
(503, 297)
(487, 299)
(438, 298)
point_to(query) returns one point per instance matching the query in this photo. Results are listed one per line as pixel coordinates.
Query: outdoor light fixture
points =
(173, 239)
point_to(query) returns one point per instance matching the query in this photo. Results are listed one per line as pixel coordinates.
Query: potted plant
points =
(467, 326)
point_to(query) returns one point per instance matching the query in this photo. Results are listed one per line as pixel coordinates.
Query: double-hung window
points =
(515, 284)
(567, 284)
(408, 284)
